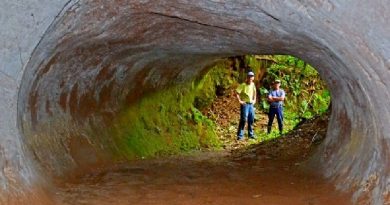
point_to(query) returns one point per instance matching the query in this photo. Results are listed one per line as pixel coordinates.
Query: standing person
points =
(275, 98)
(246, 95)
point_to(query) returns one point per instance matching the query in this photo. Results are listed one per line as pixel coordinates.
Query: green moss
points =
(214, 83)
(162, 123)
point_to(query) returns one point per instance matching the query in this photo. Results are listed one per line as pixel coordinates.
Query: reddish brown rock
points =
(130, 48)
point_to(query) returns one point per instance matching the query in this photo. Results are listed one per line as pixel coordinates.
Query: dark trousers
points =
(278, 111)
(247, 115)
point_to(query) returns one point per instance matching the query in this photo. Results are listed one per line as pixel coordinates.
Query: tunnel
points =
(75, 66)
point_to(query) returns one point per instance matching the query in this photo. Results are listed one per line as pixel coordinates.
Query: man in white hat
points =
(246, 95)
(275, 98)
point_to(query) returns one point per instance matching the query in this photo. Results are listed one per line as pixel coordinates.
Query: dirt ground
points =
(203, 178)
(269, 173)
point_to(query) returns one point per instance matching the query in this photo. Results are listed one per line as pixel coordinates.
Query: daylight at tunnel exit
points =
(194, 102)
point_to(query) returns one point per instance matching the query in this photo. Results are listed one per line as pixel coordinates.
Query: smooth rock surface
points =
(67, 69)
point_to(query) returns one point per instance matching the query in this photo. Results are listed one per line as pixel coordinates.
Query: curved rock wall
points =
(98, 57)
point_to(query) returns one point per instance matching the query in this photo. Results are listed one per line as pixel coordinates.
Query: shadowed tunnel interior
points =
(99, 57)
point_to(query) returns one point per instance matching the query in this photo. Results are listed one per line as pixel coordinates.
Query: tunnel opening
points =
(151, 126)
(92, 63)
(307, 95)
(141, 128)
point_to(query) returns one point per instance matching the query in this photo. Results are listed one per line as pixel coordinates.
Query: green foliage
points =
(306, 93)
(254, 64)
(264, 105)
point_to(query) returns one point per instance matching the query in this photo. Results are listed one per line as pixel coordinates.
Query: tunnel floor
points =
(203, 178)
(244, 172)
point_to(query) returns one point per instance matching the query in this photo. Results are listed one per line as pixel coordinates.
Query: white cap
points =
(250, 73)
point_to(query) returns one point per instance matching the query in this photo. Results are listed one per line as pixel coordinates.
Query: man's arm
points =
(238, 91)
(254, 95)
(270, 98)
(275, 99)
(239, 99)
(281, 98)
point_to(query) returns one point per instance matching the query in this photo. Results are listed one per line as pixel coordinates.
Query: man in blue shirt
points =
(275, 98)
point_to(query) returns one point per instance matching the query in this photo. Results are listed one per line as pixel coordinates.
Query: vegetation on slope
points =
(170, 121)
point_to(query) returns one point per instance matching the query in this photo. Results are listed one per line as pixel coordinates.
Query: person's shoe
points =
(269, 129)
(252, 137)
(239, 138)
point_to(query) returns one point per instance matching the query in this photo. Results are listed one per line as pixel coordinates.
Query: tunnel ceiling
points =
(99, 57)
